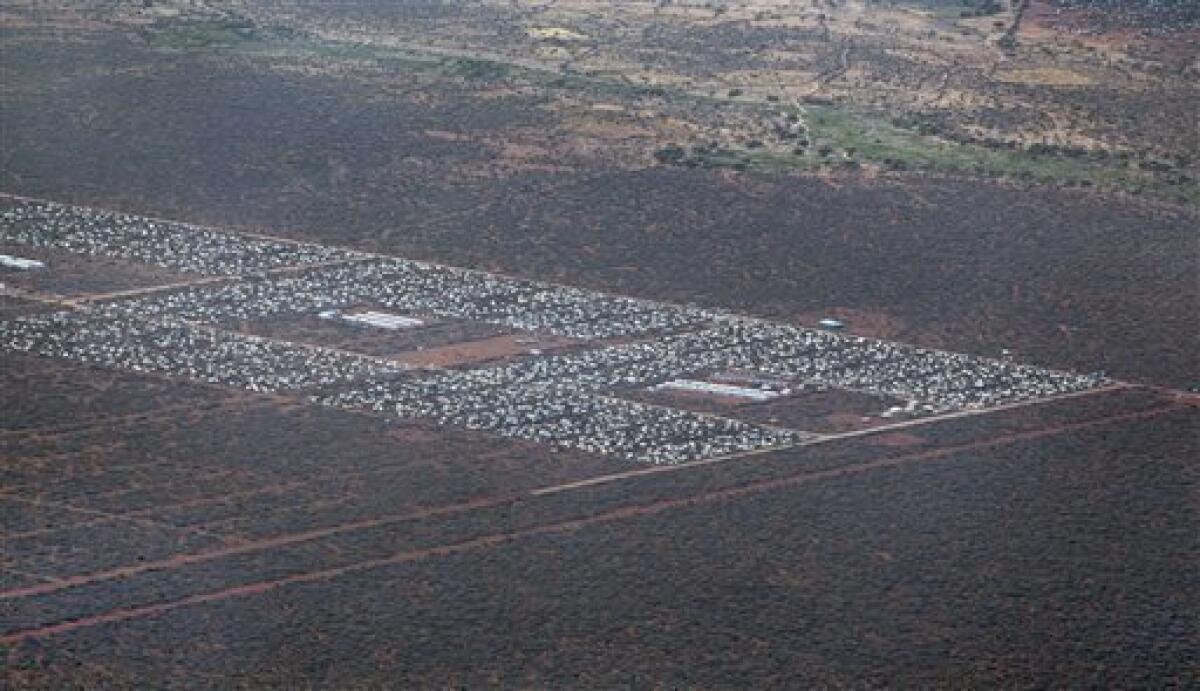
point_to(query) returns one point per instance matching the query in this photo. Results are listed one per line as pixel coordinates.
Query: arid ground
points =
(1014, 180)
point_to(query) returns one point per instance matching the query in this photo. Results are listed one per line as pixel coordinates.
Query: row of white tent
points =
(177, 246)
(9, 261)
(936, 381)
(564, 398)
(176, 348)
(590, 422)
(409, 287)
(334, 277)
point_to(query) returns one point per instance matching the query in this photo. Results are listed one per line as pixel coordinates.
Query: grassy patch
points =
(843, 139)
(836, 131)
(876, 139)
(480, 70)
(191, 34)
(947, 9)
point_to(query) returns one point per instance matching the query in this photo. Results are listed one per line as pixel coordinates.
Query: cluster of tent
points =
(175, 348)
(334, 278)
(419, 288)
(536, 412)
(555, 415)
(937, 381)
(176, 246)
(563, 399)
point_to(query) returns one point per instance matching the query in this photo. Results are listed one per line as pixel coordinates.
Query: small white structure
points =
(382, 320)
(20, 262)
(908, 408)
(832, 324)
(718, 389)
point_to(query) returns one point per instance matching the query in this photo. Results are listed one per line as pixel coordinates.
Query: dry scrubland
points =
(977, 176)
(423, 551)
(436, 158)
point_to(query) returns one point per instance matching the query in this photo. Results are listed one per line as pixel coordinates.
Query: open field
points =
(478, 344)
(69, 274)
(829, 410)
(273, 547)
(160, 463)
(197, 330)
(490, 175)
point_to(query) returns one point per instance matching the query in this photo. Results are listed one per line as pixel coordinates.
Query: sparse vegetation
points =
(882, 163)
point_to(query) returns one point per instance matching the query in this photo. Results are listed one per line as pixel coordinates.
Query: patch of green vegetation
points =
(213, 33)
(241, 35)
(481, 70)
(736, 159)
(840, 138)
(948, 8)
(390, 58)
(843, 139)
(235, 32)
(670, 154)
(914, 147)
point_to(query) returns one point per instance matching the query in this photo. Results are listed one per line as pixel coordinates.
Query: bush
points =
(671, 154)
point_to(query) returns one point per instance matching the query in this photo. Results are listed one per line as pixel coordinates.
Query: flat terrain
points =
(336, 550)
(404, 162)
(1013, 182)
(828, 410)
(70, 275)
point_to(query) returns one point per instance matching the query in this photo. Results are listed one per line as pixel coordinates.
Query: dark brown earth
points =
(1033, 547)
(15, 306)
(1063, 278)
(67, 274)
(366, 339)
(163, 534)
